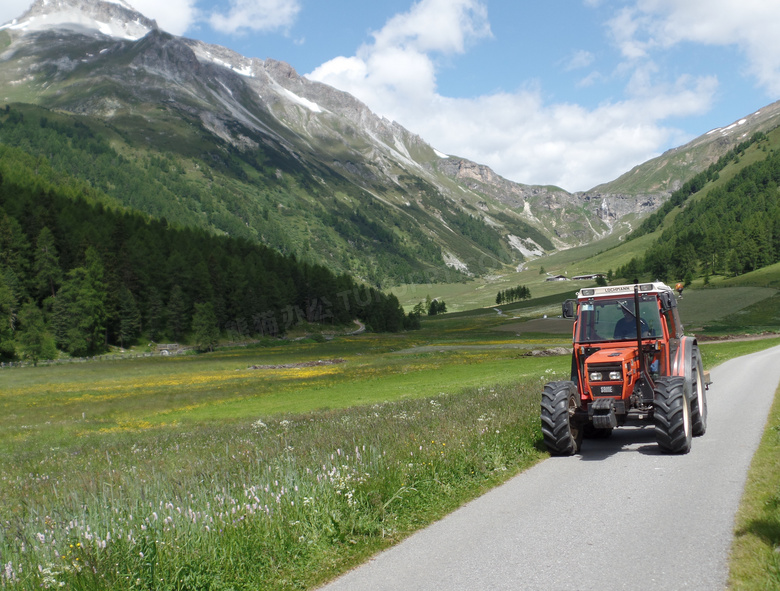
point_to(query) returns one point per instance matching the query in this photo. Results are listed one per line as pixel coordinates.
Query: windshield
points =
(614, 319)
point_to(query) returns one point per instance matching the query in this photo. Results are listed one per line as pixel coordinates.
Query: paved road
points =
(619, 516)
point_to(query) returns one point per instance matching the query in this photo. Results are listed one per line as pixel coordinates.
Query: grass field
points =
(280, 465)
(755, 550)
(197, 472)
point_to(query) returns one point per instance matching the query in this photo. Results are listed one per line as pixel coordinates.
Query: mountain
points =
(668, 172)
(723, 221)
(113, 18)
(201, 135)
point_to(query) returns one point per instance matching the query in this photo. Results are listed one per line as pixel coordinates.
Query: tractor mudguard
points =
(682, 364)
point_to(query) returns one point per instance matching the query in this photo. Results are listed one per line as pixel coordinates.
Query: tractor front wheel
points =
(699, 401)
(672, 415)
(562, 434)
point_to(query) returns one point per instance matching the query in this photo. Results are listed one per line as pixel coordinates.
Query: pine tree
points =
(48, 273)
(154, 314)
(177, 313)
(14, 247)
(35, 342)
(129, 317)
(204, 327)
(79, 311)
(9, 307)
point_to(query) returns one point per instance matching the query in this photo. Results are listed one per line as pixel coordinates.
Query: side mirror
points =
(570, 309)
(667, 301)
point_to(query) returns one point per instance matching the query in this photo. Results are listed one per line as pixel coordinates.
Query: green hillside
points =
(81, 276)
(719, 226)
(196, 182)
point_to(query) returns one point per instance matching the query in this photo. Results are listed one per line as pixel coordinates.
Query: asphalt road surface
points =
(619, 516)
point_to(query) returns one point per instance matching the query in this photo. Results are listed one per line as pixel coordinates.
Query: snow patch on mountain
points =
(226, 59)
(112, 18)
(299, 100)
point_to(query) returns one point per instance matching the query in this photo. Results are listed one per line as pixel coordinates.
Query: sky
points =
(571, 93)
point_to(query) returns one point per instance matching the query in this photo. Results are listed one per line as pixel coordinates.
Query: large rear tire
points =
(672, 416)
(699, 400)
(562, 434)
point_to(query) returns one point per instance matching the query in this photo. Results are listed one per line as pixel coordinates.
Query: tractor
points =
(630, 364)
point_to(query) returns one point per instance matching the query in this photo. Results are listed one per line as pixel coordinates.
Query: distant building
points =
(557, 278)
(169, 349)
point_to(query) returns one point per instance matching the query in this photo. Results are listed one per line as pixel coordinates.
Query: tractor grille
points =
(600, 388)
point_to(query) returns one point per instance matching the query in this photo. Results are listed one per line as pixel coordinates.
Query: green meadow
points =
(281, 464)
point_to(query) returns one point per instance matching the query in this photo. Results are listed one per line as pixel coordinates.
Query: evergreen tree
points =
(154, 314)
(14, 246)
(35, 342)
(204, 327)
(437, 307)
(48, 273)
(9, 307)
(129, 317)
(79, 311)
(177, 313)
(419, 309)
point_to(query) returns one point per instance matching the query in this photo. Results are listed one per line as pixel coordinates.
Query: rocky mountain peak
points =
(113, 18)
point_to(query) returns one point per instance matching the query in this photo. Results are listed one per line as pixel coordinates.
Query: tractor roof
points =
(617, 290)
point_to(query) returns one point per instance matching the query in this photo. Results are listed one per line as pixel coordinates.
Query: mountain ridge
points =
(265, 123)
(114, 18)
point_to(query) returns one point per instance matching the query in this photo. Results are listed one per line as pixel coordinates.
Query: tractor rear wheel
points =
(562, 434)
(672, 415)
(699, 401)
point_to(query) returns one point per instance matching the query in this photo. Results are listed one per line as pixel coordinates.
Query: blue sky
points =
(565, 92)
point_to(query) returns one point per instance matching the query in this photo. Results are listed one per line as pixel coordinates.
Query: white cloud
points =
(174, 16)
(579, 59)
(517, 134)
(435, 25)
(256, 16)
(751, 25)
(397, 69)
(526, 140)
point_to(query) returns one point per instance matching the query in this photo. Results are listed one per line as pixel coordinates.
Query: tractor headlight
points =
(596, 376)
(615, 376)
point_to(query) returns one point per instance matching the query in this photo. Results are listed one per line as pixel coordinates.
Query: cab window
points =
(614, 319)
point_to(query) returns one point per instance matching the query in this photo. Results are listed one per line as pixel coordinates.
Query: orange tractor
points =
(630, 363)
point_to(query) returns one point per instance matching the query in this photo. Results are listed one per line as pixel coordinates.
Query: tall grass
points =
(755, 550)
(278, 502)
